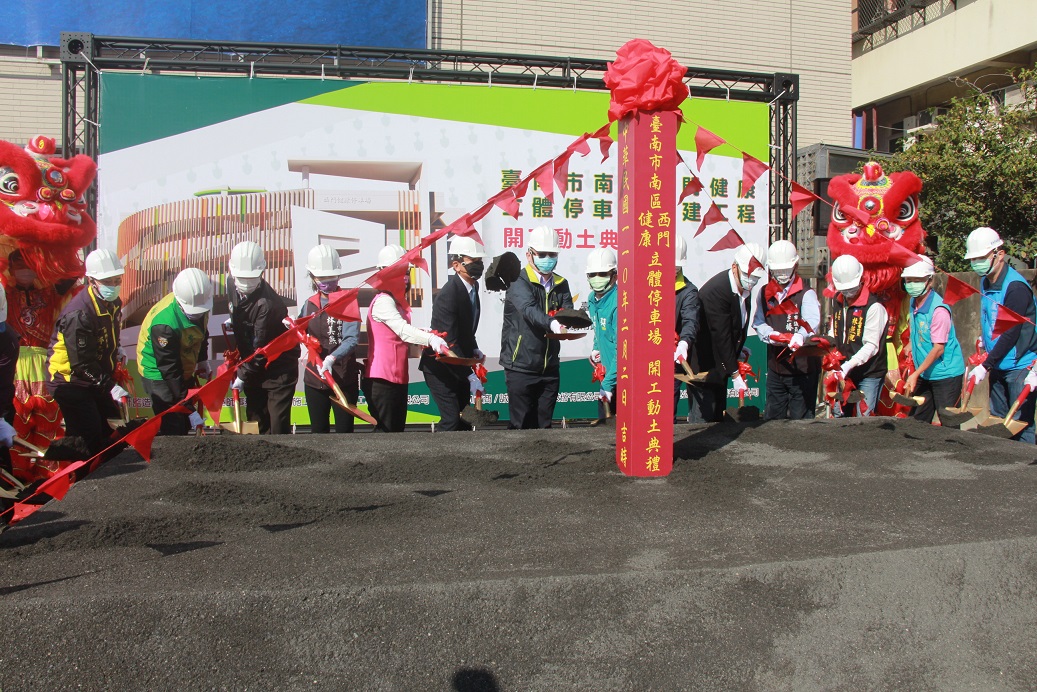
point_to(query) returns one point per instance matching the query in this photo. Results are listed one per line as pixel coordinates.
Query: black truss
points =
(84, 56)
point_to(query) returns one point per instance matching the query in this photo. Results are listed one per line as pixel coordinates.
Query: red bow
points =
(599, 373)
(480, 371)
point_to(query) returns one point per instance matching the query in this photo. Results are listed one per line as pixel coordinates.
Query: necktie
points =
(475, 306)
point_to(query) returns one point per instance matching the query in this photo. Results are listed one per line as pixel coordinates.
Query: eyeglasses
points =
(603, 274)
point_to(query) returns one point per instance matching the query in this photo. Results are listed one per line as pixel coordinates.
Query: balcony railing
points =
(872, 16)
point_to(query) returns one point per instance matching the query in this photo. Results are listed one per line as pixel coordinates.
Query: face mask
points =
(982, 266)
(246, 286)
(545, 265)
(599, 283)
(915, 288)
(747, 281)
(782, 276)
(327, 286)
(108, 293)
(474, 269)
(25, 276)
(849, 296)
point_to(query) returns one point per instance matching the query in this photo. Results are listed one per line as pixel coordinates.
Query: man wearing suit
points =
(455, 311)
(723, 325)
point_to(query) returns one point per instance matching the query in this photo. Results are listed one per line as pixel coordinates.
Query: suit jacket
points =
(452, 313)
(721, 329)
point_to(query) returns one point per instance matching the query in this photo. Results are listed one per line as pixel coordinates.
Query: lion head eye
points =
(838, 214)
(908, 209)
(9, 183)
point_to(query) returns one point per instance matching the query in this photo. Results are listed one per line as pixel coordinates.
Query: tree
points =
(979, 168)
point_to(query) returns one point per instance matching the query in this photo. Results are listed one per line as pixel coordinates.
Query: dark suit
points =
(721, 336)
(452, 313)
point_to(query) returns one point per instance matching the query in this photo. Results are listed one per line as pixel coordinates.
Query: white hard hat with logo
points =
(847, 272)
(980, 242)
(782, 255)
(922, 269)
(602, 259)
(544, 239)
(193, 291)
(247, 260)
(465, 247)
(389, 255)
(744, 255)
(103, 264)
(323, 262)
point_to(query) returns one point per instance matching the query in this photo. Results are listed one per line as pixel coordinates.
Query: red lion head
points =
(42, 210)
(871, 211)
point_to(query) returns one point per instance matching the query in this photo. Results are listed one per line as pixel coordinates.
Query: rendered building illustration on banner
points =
(361, 165)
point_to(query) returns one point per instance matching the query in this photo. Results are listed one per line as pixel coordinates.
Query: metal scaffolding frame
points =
(84, 56)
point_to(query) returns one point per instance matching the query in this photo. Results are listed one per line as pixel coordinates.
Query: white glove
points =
(745, 354)
(118, 393)
(203, 370)
(595, 356)
(228, 325)
(979, 373)
(606, 395)
(475, 386)
(437, 344)
(681, 352)
(1031, 381)
(196, 420)
(557, 327)
(740, 385)
(325, 367)
(121, 354)
(796, 342)
(6, 433)
(238, 384)
(476, 353)
(844, 371)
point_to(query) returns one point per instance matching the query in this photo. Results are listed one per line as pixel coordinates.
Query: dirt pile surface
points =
(788, 554)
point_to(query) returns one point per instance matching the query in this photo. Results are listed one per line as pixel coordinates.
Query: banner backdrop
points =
(361, 165)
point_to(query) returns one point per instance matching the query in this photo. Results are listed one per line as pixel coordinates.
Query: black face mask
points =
(474, 269)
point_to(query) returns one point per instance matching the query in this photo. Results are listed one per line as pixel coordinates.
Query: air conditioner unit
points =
(910, 123)
(912, 136)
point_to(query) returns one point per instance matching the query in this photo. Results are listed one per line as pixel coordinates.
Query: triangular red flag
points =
(901, 256)
(730, 241)
(752, 169)
(57, 485)
(801, 197)
(754, 264)
(1006, 319)
(509, 202)
(693, 187)
(604, 141)
(957, 290)
(561, 166)
(714, 215)
(20, 510)
(858, 215)
(392, 280)
(462, 227)
(343, 305)
(482, 211)
(284, 341)
(705, 142)
(141, 438)
(545, 177)
(214, 392)
(580, 146)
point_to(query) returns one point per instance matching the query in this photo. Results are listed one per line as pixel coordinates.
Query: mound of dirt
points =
(231, 454)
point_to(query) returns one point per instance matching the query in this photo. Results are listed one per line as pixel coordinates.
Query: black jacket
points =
(524, 343)
(721, 329)
(687, 305)
(9, 343)
(258, 319)
(85, 342)
(452, 313)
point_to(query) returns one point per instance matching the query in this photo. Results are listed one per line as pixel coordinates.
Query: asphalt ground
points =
(853, 554)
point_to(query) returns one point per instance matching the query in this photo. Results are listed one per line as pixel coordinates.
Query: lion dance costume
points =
(872, 213)
(43, 227)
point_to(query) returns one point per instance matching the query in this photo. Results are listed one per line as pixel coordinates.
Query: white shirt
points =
(384, 310)
(736, 288)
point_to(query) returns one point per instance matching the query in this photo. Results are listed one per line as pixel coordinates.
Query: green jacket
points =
(169, 345)
(603, 312)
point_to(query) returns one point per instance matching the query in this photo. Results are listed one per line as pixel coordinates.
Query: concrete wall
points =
(30, 99)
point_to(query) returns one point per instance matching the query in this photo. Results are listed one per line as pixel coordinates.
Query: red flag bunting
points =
(545, 177)
(705, 142)
(561, 166)
(391, 279)
(1006, 319)
(901, 256)
(482, 211)
(693, 187)
(462, 227)
(604, 141)
(957, 290)
(57, 485)
(752, 169)
(509, 202)
(729, 242)
(285, 341)
(343, 305)
(714, 215)
(754, 264)
(213, 392)
(22, 510)
(858, 215)
(580, 146)
(141, 438)
(801, 198)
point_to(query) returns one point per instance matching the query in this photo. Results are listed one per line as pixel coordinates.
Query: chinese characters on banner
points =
(645, 316)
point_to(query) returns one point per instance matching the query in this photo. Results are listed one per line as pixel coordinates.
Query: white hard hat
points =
(544, 239)
(389, 255)
(980, 242)
(103, 264)
(466, 247)
(193, 291)
(847, 272)
(247, 261)
(744, 253)
(323, 263)
(602, 259)
(782, 255)
(681, 249)
(921, 269)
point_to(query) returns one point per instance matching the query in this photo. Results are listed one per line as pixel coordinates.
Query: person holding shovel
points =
(601, 275)
(84, 350)
(529, 358)
(1010, 354)
(687, 307)
(173, 348)
(455, 313)
(935, 352)
(337, 340)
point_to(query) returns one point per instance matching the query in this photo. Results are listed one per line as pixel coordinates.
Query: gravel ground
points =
(787, 555)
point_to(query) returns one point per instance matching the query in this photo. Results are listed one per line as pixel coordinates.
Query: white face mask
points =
(246, 286)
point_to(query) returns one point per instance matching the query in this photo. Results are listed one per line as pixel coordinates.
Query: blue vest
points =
(1025, 349)
(951, 363)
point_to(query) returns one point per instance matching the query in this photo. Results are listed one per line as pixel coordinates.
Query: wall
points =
(30, 94)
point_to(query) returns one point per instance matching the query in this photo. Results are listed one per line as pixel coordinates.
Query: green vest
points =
(181, 336)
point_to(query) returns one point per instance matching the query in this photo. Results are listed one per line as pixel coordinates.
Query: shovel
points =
(341, 400)
(956, 416)
(909, 401)
(478, 417)
(691, 377)
(29, 446)
(1007, 428)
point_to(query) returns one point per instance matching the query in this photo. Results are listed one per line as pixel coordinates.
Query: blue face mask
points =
(108, 293)
(915, 288)
(545, 265)
(982, 266)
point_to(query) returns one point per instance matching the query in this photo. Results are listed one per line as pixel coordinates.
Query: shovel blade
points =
(955, 417)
